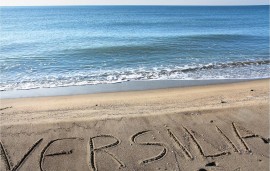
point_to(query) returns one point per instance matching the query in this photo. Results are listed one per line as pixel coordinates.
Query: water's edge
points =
(118, 87)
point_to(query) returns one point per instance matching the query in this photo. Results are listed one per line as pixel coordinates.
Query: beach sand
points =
(215, 127)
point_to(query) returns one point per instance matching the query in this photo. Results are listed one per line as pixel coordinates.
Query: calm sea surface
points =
(65, 46)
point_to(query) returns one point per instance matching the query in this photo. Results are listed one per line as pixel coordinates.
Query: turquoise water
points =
(80, 45)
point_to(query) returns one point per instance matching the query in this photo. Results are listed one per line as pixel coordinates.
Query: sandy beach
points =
(215, 127)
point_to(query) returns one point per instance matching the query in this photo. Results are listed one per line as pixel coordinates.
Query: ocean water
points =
(81, 45)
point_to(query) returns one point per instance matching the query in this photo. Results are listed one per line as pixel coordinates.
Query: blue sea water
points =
(80, 45)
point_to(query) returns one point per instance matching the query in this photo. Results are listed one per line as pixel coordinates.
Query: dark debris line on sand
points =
(6, 108)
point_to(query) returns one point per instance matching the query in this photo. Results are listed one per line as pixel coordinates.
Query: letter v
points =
(19, 164)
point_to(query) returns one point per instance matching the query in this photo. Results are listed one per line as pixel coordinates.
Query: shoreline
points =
(190, 98)
(141, 85)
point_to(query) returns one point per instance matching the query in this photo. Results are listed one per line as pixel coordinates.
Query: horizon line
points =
(128, 5)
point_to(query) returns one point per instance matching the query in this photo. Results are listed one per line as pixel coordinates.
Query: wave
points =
(230, 70)
(226, 65)
(164, 44)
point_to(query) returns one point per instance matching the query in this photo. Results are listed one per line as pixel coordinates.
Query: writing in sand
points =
(95, 151)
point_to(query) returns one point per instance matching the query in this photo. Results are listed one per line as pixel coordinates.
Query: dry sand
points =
(217, 127)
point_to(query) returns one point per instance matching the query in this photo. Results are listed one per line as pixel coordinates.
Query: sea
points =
(59, 46)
